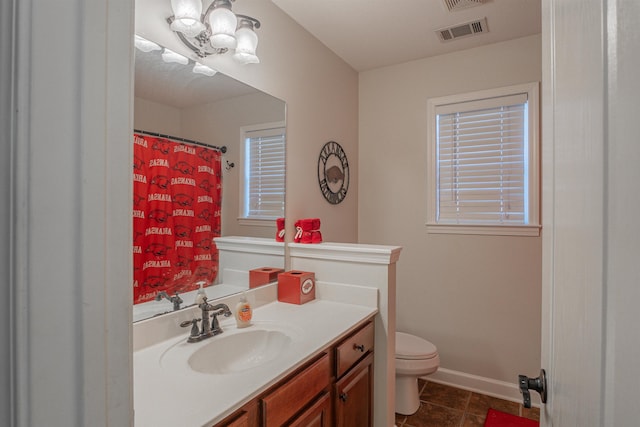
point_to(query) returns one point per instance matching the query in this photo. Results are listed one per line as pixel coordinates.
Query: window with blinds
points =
(263, 186)
(484, 162)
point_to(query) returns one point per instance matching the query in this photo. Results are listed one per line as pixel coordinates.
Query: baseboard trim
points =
(478, 384)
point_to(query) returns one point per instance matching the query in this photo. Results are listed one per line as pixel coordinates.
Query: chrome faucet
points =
(176, 300)
(208, 329)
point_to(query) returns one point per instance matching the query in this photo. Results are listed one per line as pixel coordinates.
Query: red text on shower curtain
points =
(177, 193)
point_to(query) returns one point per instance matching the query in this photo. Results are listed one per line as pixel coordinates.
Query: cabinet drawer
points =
(292, 396)
(353, 349)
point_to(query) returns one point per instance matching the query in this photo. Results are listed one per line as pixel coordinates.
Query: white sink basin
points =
(233, 351)
(239, 352)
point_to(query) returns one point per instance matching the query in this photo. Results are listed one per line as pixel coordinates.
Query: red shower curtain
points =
(177, 193)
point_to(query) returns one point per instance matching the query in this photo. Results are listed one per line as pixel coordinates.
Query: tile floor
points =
(444, 406)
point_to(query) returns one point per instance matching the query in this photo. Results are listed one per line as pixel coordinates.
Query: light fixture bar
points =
(218, 31)
(199, 44)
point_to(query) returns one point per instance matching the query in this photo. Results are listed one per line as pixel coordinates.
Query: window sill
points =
(487, 230)
(255, 222)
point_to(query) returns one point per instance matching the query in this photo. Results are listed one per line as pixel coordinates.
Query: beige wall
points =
(155, 117)
(477, 298)
(321, 92)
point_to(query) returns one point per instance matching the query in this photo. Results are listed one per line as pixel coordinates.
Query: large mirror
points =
(173, 101)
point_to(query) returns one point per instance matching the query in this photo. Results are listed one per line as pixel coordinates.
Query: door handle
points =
(538, 384)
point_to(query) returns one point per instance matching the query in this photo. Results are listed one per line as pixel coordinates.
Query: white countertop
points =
(181, 397)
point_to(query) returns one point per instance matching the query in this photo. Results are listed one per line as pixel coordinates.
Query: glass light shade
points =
(145, 45)
(247, 42)
(203, 69)
(246, 58)
(186, 11)
(223, 24)
(171, 56)
(186, 14)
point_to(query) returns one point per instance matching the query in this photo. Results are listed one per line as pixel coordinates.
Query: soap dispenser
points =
(243, 312)
(201, 295)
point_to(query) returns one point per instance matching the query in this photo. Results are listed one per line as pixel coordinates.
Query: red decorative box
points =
(296, 287)
(264, 275)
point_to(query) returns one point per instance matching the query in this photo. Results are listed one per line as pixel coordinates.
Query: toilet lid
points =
(412, 347)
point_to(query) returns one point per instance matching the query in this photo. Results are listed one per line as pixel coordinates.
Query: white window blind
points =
(483, 160)
(482, 165)
(264, 173)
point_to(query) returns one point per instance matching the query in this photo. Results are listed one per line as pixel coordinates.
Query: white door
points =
(591, 204)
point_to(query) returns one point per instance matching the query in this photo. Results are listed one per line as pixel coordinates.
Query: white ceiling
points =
(365, 33)
(369, 34)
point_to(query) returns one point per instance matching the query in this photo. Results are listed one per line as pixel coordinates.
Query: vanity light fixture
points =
(216, 31)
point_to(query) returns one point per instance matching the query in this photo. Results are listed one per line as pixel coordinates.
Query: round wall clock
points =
(333, 172)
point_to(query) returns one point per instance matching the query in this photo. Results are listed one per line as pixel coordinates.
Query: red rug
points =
(501, 419)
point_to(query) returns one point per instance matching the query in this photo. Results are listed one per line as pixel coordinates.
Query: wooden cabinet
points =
(353, 393)
(334, 389)
(280, 405)
(353, 348)
(247, 416)
(317, 415)
(353, 390)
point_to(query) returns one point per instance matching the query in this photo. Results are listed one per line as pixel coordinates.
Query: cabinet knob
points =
(343, 397)
(359, 347)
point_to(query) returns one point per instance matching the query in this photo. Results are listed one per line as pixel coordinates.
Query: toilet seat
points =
(410, 347)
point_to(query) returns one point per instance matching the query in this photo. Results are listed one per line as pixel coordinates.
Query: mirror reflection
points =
(185, 112)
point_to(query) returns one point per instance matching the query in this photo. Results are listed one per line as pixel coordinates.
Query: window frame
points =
(252, 220)
(533, 177)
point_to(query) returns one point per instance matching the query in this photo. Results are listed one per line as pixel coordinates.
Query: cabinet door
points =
(318, 415)
(353, 396)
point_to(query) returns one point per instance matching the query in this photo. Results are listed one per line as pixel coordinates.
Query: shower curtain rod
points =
(222, 149)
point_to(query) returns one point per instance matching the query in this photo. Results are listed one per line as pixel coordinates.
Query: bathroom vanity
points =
(294, 364)
(337, 380)
(304, 365)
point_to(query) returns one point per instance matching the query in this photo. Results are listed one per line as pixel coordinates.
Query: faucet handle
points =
(194, 335)
(217, 310)
(176, 300)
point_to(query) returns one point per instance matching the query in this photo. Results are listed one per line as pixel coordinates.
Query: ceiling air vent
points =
(463, 30)
(453, 5)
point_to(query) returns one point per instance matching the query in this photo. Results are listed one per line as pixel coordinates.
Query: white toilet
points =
(415, 357)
